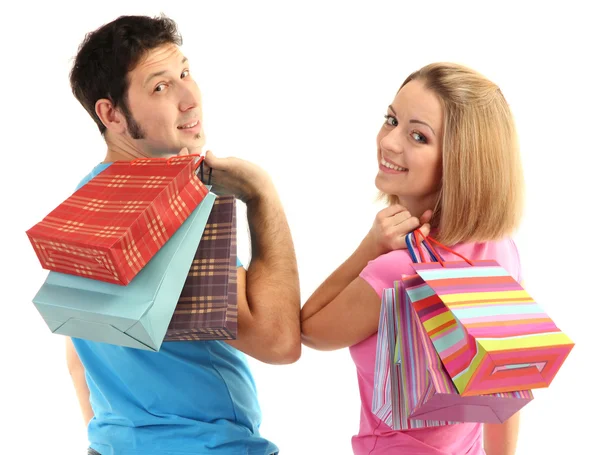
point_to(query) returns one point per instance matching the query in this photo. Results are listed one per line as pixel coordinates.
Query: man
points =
(190, 397)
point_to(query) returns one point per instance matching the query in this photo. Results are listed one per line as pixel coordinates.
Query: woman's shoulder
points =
(504, 251)
(383, 271)
(396, 261)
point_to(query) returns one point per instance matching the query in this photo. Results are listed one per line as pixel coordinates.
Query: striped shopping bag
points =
(427, 389)
(392, 392)
(417, 391)
(490, 334)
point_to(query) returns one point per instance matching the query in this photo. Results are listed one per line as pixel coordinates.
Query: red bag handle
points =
(169, 160)
(430, 249)
(429, 241)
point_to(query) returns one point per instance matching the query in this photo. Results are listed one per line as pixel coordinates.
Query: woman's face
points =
(409, 148)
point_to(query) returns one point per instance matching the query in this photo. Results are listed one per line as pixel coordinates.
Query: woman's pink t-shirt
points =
(374, 436)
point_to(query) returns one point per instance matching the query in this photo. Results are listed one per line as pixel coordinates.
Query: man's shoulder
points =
(93, 173)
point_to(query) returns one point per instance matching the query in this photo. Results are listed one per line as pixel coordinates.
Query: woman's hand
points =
(391, 226)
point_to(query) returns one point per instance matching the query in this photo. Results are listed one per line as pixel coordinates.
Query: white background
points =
(301, 88)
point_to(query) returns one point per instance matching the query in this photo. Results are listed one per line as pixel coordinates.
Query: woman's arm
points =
(344, 310)
(501, 438)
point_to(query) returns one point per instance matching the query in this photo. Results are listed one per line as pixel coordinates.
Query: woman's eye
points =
(418, 137)
(186, 73)
(160, 88)
(391, 120)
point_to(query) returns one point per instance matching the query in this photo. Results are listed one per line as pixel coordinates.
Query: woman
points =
(448, 158)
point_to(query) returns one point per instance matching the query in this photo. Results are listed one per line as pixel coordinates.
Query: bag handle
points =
(428, 240)
(433, 254)
(412, 243)
(169, 161)
(199, 164)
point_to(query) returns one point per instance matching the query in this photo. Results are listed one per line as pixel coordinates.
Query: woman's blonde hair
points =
(481, 197)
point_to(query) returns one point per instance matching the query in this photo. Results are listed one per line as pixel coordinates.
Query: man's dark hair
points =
(107, 54)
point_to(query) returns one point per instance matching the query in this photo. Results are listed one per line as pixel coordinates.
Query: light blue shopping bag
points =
(136, 315)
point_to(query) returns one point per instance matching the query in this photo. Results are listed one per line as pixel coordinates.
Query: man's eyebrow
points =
(392, 109)
(160, 73)
(153, 75)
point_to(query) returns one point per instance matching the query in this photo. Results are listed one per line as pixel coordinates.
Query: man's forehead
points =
(159, 59)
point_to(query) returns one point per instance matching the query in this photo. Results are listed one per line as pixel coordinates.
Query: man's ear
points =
(112, 119)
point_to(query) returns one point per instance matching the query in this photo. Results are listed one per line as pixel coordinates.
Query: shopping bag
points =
(427, 391)
(490, 334)
(113, 225)
(395, 395)
(207, 307)
(136, 315)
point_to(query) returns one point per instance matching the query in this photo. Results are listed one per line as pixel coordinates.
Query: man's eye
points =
(160, 88)
(186, 73)
(391, 120)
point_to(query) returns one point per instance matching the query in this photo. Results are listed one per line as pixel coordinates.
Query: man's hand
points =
(245, 180)
(391, 226)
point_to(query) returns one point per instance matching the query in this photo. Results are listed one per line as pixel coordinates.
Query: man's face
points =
(164, 105)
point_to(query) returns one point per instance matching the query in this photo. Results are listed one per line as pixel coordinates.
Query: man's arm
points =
(269, 292)
(77, 372)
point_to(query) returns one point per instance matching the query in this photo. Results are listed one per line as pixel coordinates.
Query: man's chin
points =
(196, 146)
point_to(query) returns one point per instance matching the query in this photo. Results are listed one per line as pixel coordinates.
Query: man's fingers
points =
(212, 176)
(212, 160)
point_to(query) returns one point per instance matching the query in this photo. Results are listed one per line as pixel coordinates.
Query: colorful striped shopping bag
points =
(393, 397)
(491, 335)
(427, 390)
(417, 392)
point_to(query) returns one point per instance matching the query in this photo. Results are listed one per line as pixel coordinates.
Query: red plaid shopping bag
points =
(112, 226)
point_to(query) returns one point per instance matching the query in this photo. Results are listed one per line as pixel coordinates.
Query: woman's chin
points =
(384, 186)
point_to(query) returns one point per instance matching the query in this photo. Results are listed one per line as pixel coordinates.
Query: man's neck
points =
(121, 149)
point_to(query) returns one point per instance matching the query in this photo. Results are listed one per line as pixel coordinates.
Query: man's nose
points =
(189, 99)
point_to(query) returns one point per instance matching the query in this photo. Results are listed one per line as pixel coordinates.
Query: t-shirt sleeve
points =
(516, 261)
(507, 255)
(381, 273)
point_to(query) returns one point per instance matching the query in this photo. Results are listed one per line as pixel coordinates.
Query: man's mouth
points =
(188, 125)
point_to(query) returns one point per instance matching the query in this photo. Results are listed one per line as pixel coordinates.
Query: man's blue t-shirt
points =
(191, 397)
